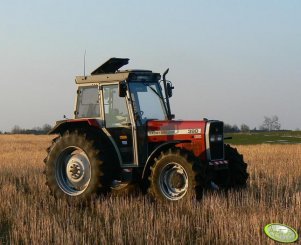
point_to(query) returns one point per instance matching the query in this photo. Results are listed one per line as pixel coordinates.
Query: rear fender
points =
(64, 125)
(87, 125)
(157, 151)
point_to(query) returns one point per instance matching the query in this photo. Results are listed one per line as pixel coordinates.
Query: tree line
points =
(36, 130)
(269, 124)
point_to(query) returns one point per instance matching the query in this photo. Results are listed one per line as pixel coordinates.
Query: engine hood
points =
(175, 130)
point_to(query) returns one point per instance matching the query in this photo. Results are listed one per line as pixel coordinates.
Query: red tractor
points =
(124, 134)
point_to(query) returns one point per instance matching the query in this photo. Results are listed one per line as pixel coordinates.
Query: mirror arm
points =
(169, 116)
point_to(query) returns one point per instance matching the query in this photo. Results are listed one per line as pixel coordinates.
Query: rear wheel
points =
(236, 175)
(73, 171)
(173, 177)
(75, 168)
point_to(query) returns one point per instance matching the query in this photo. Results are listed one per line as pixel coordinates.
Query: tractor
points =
(123, 134)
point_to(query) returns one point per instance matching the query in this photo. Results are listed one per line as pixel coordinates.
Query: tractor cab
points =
(123, 102)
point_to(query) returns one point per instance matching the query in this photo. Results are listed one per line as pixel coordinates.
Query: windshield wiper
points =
(161, 97)
(147, 85)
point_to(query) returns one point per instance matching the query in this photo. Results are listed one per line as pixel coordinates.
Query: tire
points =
(236, 175)
(75, 168)
(174, 177)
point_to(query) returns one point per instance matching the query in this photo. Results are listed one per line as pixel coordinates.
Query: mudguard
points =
(63, 125)
(158, 149)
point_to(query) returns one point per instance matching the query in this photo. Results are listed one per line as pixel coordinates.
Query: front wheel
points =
(173, 177)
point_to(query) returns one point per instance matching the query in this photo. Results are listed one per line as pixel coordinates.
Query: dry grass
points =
(29, 215)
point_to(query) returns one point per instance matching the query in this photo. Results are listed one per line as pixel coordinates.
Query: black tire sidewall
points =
(236, 176)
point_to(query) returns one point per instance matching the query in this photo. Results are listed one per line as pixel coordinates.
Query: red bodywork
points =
(91, 121)
(191, 131)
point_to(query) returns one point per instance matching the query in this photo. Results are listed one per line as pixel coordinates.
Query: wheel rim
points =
(73, 171)
(173, 181)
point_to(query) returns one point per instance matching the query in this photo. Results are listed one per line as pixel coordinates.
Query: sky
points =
(232, 60)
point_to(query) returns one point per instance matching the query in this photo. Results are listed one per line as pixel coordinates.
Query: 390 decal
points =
(194, 131)
(175, 132)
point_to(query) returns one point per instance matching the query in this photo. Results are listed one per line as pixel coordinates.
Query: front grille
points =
(215, 140)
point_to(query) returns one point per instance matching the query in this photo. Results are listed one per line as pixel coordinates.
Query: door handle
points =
(128, 124)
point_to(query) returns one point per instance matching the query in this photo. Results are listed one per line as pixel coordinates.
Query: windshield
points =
(147, 100)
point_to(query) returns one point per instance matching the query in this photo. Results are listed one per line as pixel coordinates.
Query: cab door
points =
(118, 123)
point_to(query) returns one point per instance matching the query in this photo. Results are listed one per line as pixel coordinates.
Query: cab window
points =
(116, 112)
(88, 102)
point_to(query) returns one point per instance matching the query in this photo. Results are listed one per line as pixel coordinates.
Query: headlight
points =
(214, 138)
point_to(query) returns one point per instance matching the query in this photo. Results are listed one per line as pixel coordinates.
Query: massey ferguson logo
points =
(175, 132)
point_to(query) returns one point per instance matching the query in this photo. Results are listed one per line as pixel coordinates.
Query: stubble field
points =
(29, 215)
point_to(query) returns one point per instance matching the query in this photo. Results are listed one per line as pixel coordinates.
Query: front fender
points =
(157, 150)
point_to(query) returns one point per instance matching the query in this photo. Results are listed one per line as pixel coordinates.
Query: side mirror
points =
(122, 89)
(169, 89)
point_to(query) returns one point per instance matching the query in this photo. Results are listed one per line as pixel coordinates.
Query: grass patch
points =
(285, 137)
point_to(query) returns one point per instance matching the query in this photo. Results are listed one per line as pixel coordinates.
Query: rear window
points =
(88, 102)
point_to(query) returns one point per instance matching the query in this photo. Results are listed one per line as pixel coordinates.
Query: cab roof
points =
(109, 72)
(111, 66)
